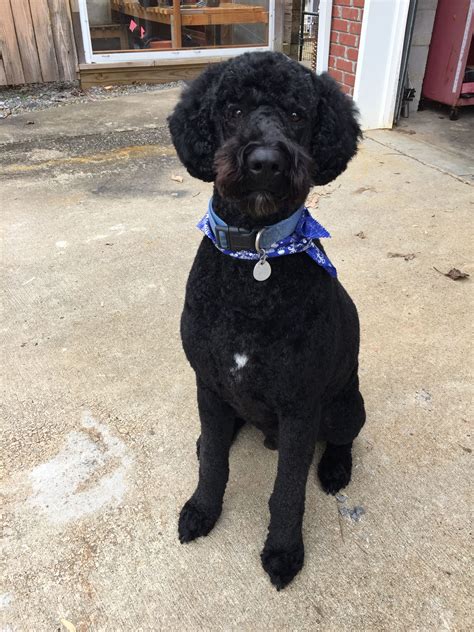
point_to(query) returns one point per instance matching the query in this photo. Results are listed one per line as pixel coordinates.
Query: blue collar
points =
(290, 236)
(232, 238)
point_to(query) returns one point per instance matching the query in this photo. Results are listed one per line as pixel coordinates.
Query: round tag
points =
(262, 270)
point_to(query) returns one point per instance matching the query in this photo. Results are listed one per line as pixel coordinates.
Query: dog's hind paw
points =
(194, 522)
(335, 468)
(282, 564)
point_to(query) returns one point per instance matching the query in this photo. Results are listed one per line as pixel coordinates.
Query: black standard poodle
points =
(269, 330)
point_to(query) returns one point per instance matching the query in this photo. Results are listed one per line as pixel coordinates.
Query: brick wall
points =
(345, 36)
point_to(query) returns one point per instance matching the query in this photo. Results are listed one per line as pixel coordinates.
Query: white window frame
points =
(378, 66)
(324, 36)
(185, 53)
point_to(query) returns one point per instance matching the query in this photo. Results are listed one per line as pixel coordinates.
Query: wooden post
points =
(176, 25)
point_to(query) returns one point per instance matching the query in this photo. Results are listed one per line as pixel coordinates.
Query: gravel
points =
(42, 96)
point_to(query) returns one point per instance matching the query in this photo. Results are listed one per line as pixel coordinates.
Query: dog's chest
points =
(237, 360)
(253, 342)
(231, 352)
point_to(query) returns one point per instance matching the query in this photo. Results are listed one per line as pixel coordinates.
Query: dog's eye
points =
(237, 113)
(295, 117)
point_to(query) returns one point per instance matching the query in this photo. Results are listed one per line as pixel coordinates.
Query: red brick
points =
(343, 64)
(358, 3)
(348, 13)
(336, 74)
(349, 79)
(336, 11)
(337, 50)
(355, 28)
(340, 25)
(343, 3)
(348, 40)
(332, 61)
(335, 36)
(346, 89)
(351, 53)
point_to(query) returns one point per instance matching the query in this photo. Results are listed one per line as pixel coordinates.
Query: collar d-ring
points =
(258, 238)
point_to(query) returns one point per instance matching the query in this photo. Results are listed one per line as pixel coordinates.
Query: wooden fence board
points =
(44, 40)
(26, 41)
(77, 30)
(63, 36)
(3, 76)
(9, 46)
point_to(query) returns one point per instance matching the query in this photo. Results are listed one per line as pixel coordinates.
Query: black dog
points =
(282, 353)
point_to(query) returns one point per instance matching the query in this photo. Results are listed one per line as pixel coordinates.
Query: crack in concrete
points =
(418, 160)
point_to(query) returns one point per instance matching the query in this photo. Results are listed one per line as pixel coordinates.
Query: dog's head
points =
(264, 129)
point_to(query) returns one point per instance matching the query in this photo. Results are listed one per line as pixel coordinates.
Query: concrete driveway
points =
(99, 414)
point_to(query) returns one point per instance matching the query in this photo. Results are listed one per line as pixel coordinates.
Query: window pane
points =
(137, 25)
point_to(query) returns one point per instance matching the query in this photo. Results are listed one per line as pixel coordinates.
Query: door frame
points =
(324, 35)
(378, 66)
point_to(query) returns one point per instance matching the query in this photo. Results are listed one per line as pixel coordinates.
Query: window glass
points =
(153, 25)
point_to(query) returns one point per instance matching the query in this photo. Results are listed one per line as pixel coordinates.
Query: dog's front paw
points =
(194, 522)
(335, 473)
(282, 564)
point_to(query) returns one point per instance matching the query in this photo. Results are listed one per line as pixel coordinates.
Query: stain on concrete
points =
(89, 473)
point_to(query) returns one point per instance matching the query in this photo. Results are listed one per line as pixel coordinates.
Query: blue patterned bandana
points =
(300, 240)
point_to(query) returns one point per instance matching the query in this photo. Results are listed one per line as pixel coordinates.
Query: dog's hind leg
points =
(342, 420)
(335, 467)
(200, 513)
(237, 426)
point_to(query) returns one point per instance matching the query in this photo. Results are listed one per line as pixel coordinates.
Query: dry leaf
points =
(454, 274)
(361, 235)
(70, 627)
(364, 189)
(407, 257)
(312, 200)
(177, 178)
(108, 87)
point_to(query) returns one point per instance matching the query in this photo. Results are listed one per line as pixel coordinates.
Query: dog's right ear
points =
(191, 125)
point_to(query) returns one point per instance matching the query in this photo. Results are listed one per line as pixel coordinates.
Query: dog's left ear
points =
(191, 125)
(336, 131)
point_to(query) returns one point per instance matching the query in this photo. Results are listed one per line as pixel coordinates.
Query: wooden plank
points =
(25, 35)
(9, 46)
(61, 24)
(224, 14)
(176, 25)
(149, 63)
(151, 74)
(77, 30)
(44, 40)
(243, 17)
(3, 76)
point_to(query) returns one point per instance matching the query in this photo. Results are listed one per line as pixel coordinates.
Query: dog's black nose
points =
(266, 163)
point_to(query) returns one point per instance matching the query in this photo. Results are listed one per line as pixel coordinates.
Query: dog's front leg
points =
(283, 553)
(200, 513)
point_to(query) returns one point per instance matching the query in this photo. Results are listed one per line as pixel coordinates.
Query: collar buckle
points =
(232, 238)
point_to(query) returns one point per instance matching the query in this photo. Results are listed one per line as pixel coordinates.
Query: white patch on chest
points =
(240, 360)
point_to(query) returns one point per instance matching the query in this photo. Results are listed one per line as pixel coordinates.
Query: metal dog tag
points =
(262, 270)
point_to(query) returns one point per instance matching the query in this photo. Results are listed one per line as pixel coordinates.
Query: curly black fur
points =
(281, 354)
